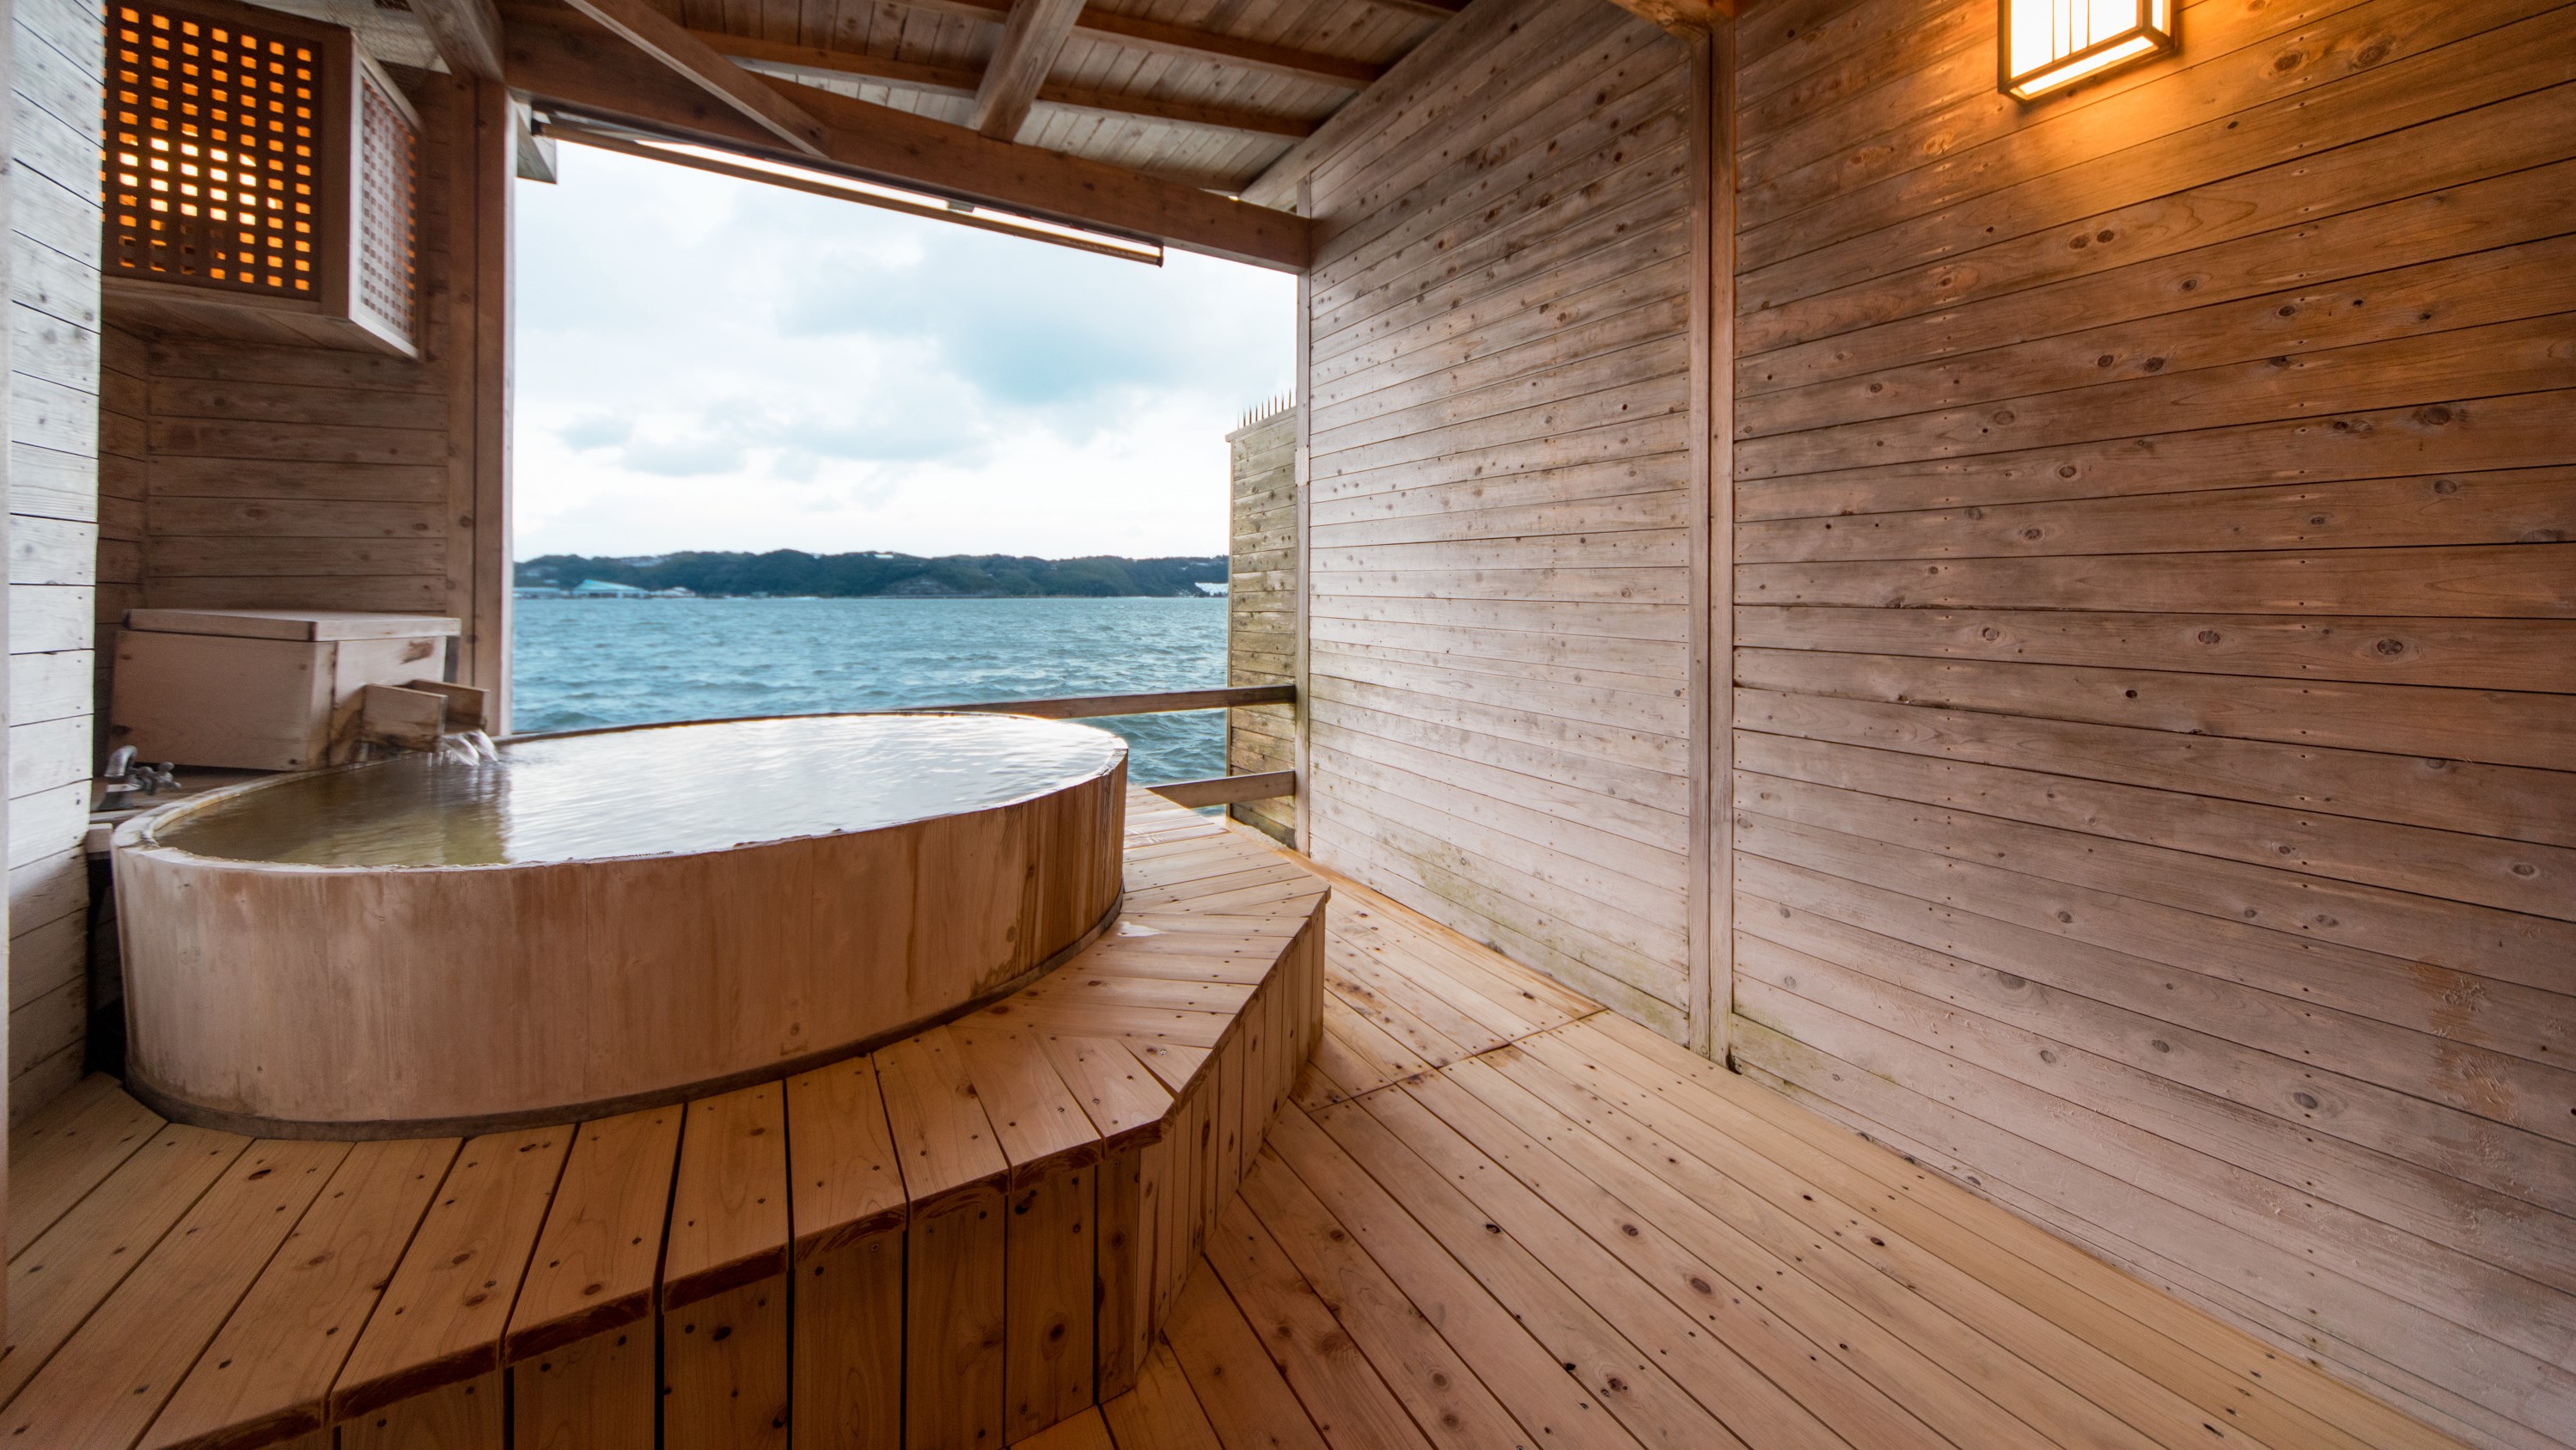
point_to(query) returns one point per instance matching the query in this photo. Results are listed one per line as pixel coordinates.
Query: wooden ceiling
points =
(1142, 117)
(1206, 91)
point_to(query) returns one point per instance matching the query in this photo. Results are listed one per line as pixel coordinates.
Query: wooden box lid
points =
(299, 624)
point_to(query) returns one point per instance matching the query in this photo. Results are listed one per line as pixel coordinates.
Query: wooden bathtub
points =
(605, 920)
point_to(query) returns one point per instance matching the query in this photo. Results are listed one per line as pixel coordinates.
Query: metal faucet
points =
(126, 779)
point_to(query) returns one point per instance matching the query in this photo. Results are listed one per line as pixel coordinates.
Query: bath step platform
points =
(960, 1239)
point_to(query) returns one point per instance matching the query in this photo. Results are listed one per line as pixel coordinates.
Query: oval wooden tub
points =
(605, 919)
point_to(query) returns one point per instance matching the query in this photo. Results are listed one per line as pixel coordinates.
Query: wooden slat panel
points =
(955, 1173)
(440, 1322)
(2132, 302)
(847, 1201)
(725, 1331)
(70, 1268)
(272, 1365)
(1497, 370)
(2151, 587)
(106, 1384)
(2489, 141)
(57, 1156)
(597, 1263)
(579, 1346)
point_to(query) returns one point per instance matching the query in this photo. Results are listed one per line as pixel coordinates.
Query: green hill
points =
(844, 576)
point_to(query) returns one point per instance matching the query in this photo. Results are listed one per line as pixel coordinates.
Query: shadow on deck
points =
(1494, 1214)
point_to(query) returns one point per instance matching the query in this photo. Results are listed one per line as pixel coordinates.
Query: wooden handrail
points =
(1084, 707)
(1226, 790)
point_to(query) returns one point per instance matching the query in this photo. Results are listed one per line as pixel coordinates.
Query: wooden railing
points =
(1221, 790)
(1086, 707)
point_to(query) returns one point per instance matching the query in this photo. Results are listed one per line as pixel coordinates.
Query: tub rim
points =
(139, 834)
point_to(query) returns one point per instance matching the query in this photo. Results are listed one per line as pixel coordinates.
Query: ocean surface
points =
(584, 662)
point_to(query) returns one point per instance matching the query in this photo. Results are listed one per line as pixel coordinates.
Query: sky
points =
(706, 363)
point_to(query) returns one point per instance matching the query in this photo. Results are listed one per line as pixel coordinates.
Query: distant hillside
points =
(842, 576)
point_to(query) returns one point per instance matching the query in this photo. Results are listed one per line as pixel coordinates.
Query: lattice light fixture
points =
(2048, 45)
(256, 161)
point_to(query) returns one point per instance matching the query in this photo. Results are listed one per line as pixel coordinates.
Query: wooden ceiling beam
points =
(1032, 37)
(1427, 9)
(958, 81)
(665, 40)
(911, 75)
(556, 57)
(1182, 42)
(466, 32)
(1223, 118)
(1683, 17)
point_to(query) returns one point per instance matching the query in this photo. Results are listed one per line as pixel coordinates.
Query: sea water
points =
(582, 663)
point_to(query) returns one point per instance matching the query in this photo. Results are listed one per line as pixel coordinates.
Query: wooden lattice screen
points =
(388, 164)
(262, 159)
(212, 152)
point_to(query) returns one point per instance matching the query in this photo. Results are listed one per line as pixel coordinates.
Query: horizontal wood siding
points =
(272, 474)
(2155, 776)
(56, 519)
(1261, 611)
(1499, 538)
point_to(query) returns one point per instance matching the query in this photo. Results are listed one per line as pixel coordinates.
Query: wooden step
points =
(972, 1235)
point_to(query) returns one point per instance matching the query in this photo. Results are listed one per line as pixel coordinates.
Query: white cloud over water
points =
(711, 364)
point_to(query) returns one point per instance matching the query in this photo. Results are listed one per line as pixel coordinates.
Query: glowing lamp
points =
(2051, 44)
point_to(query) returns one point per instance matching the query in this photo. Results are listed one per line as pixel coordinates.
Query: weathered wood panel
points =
(2154, 573)
(253, 474)
(56, 525)
(1261, 608)
(1499, 633)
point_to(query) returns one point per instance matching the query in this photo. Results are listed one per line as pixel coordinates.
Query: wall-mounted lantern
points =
(2051, 44)
(259, 174)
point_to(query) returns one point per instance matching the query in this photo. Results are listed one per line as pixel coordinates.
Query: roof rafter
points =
(959, 81)
(1183, 42)
(466, 32)
(1032, 38)
(663, 38)
(1683, 17)
(560, 58)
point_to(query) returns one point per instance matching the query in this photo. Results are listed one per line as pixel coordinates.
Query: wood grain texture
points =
(971, 1234)
(1261, 609)
(1466, 412)
(59, 432)
(2152, 563)
(314, 477)
(1420, 1264)
(585, 65)
(943, 912)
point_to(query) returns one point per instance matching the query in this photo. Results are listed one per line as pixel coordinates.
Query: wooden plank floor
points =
(1495, 1215)
(983, 1225)
(1486, 1214)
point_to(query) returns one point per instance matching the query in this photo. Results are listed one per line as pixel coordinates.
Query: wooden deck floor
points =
(1497, 1216)
(1494, 1215)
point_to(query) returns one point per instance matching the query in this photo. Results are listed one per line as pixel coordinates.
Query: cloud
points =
(688, 456)
(597, 431)
(754, 368)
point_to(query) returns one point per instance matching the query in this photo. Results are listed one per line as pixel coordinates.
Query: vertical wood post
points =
(8, 716)
(478, 341)
(1305, 403)
(1712, 184)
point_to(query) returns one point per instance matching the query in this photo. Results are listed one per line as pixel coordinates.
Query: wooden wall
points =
(1499, 380)
(1261, 609)
(2157, 760)
(267, 472)
(260, 471)
(55, 63)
